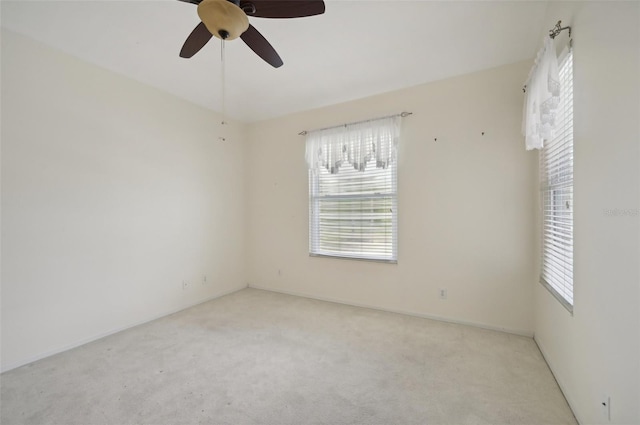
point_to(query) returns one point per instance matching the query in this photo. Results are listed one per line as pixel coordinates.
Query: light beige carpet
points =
(257, 357)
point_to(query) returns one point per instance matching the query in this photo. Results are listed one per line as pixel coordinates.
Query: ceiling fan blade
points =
(261, 46)
(282, 8)
(196, 40)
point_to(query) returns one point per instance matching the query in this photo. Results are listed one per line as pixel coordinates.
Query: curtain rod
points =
(401, 114)
(553, 32)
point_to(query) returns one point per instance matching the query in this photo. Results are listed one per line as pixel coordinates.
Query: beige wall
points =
(466, 209)
(112, 194)
(596, 352)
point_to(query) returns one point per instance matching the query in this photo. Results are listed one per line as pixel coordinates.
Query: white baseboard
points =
(83, 341)
(519, 332)
(559, 380)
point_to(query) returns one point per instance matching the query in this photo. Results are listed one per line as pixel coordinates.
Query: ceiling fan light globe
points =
(223, 17)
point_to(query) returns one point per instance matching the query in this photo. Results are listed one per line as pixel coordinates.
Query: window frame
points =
(314, 217)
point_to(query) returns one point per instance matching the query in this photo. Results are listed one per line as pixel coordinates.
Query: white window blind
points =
(556, 171)
(353, 195)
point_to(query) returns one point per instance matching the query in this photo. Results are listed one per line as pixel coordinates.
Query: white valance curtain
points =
(542, 97)
(361, 145)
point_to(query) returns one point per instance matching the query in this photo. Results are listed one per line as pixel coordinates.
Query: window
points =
(353, 191)
(556, 186)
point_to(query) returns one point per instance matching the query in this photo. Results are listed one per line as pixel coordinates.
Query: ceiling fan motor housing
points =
(223, 18)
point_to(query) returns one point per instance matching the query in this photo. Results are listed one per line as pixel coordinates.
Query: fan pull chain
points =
(223, 84)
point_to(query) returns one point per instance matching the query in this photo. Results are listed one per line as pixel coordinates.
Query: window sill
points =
(557, 296)
(339, 257)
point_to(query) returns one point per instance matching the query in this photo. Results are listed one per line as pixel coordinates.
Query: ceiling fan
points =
(228, 20)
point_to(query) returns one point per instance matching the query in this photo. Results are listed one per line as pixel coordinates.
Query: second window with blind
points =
(556, 187)
(353, 191)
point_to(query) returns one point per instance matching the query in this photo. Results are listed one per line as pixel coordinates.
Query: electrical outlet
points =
(442, 292)
(605, 408)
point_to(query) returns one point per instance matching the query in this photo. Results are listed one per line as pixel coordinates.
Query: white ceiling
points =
(356, 49)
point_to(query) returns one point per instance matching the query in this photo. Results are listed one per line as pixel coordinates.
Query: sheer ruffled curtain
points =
(361, 145)
(542, 97)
